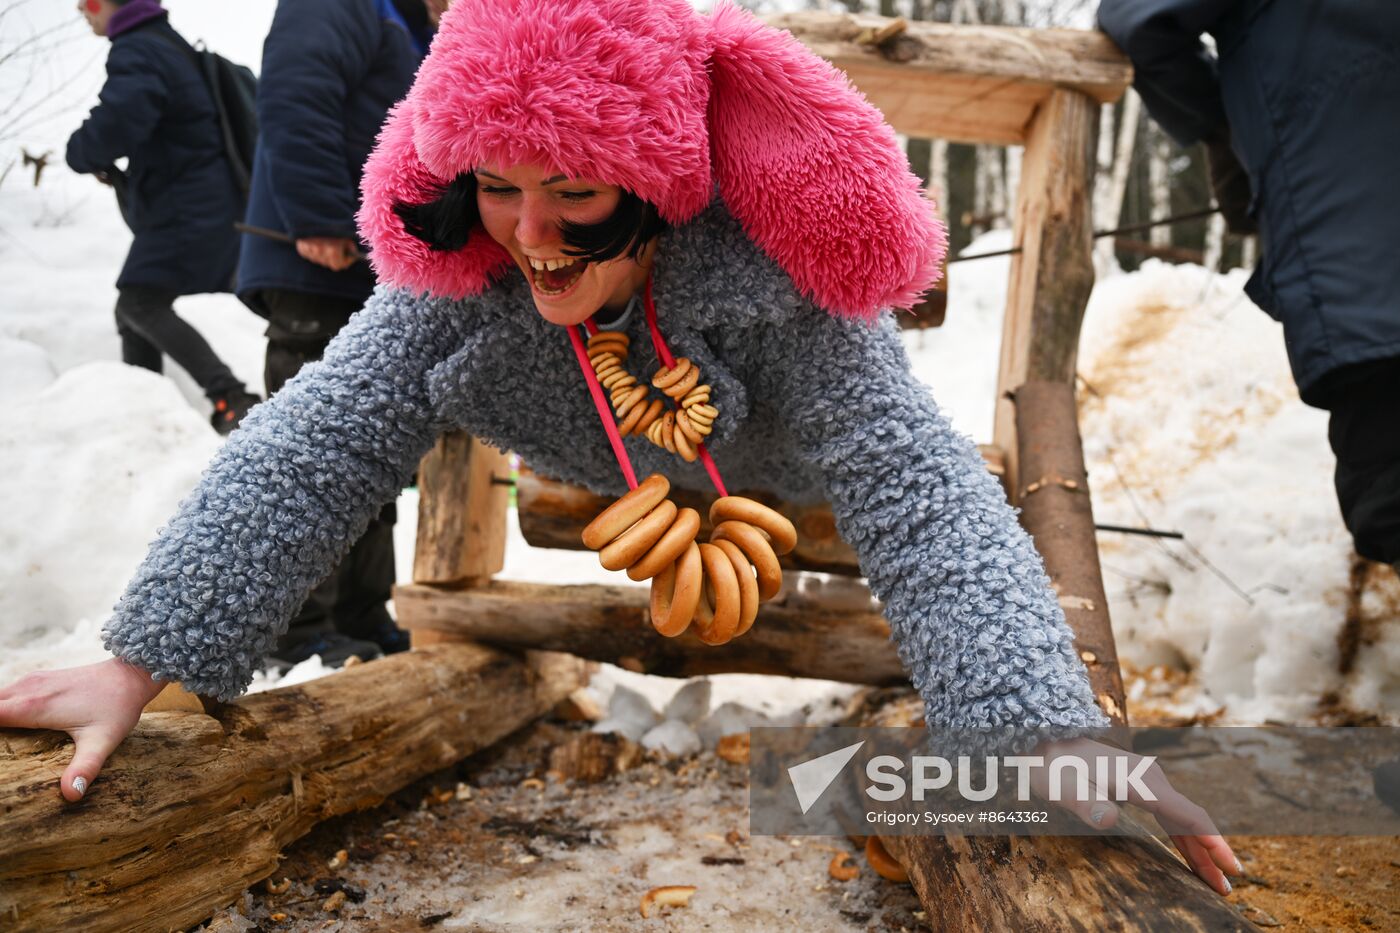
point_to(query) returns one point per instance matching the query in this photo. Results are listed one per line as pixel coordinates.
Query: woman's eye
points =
(577, 195)
(497, 190)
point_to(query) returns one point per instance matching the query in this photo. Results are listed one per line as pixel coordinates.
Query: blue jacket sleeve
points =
(284, 499)
(316, 52)
(129, 107)
(1174, 72)
(969, 604)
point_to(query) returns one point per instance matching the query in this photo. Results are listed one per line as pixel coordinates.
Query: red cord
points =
(604, 410)
(663, 353)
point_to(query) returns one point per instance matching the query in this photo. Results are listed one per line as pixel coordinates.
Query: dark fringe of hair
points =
(446, 222)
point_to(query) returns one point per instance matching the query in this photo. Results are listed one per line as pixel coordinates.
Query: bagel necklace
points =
(716, 585)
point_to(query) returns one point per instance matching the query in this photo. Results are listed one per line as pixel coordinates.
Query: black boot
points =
(229, 409)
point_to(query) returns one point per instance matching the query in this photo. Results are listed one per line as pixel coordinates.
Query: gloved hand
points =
(1230, 183)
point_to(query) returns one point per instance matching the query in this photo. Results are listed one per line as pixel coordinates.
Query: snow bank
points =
(1191, 423)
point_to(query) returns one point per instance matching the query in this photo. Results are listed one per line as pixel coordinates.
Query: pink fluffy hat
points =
(666, 103)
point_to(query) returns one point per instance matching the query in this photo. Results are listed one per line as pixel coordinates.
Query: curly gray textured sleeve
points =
(969, 604)
(283, 500)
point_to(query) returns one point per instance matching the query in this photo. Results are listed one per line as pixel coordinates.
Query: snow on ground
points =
(1189, 418)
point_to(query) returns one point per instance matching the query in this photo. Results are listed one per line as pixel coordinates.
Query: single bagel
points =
(676, 591)
(759, 552)
(669, 549)
(717, 613)
(884, 864)
(627, 548)
(748, 585)
(684, 384)
(609, 337)
(626, 512)
(654, 411)
(772, 523)
(665, 378)
(684, 446)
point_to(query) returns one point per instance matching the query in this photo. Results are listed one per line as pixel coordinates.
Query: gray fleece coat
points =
(810, 406)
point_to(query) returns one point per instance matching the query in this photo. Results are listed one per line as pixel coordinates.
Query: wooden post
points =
(461, 512)
(462, 504)
(1057, 511)
(1053, 274)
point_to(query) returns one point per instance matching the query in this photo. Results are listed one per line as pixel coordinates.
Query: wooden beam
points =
(192, 809)
(1057, 511)
(965, 83)
(1043, 883)
(1052, 275)
(553, 515)
(612, 623)
(461, 512)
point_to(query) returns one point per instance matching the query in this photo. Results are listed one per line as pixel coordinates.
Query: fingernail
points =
(1097, 814)
(80, 785)
(1228, 886)
(1239, 869)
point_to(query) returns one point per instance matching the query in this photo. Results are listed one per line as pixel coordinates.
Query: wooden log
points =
(1029, 884)
(611, 623)
(1053, 274)
(965, 83)
(1057, 511)
(461, 511)
(553, 515)
(191, 809)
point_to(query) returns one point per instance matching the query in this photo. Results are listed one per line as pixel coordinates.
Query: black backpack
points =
(235, 92)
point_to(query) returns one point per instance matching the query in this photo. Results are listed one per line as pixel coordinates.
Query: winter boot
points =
(230, 408)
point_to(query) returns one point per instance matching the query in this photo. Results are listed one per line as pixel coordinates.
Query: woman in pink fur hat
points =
(624, 239)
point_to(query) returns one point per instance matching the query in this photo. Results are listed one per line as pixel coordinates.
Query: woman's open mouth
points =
(554, 277)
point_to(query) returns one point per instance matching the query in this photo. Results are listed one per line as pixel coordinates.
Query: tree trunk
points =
(613, 624)
(1122, 161)
(1159, 185)
(191, 809)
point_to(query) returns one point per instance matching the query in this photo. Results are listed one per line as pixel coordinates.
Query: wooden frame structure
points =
(1037, 88)
(274, 764)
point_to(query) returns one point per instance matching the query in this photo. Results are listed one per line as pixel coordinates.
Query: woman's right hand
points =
(98, 705)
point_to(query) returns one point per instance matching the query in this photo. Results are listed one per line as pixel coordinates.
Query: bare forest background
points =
(47, 77)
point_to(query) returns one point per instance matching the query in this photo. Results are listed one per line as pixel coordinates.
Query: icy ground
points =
(1189, 419)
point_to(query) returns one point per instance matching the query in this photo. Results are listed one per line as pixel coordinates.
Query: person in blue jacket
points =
(177, 194)
(1299, 108)
(331, 70)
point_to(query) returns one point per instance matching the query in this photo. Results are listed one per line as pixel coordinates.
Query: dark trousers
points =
(1365, 434)
(149, 328)
(352, 599)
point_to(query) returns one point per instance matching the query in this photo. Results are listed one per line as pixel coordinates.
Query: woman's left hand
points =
(1189, 826)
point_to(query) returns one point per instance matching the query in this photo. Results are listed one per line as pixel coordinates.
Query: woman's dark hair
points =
(446, 222)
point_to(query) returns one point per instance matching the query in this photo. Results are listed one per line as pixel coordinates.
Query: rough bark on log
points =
(611, 623)
(1057, 511)
(965, 83)
(193, 808)
(1054, 884)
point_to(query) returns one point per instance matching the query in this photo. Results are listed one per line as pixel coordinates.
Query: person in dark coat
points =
(331, 70)
(1299, 108)
(178, 193)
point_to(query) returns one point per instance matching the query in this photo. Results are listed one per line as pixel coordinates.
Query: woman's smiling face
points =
(523, 207)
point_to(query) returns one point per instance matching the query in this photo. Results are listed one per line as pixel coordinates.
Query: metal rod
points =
(1145, 532)
(263, 232)
(1100, 234)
